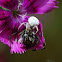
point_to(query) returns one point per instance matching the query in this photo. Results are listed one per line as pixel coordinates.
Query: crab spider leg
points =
(36, 28)
(20, 40)
(21, 25)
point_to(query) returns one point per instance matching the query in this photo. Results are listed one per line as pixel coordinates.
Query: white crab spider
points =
(32, 22)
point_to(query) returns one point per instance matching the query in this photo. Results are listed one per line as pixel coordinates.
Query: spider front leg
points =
(36, 28)
(21, 25)
(20, 40)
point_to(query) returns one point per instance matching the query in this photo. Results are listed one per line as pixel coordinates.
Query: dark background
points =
(52, 28)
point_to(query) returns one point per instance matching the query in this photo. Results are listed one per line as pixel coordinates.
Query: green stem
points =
(4, 8)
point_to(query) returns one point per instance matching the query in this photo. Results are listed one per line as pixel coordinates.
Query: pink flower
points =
(13, 14)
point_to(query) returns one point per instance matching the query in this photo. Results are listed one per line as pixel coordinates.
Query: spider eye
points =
(33, 21)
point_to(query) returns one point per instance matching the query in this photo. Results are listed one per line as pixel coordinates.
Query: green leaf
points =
(4, 8)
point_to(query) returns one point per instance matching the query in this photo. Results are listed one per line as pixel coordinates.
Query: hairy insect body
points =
(29, 38)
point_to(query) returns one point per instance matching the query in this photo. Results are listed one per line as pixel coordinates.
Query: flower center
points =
(15, 12)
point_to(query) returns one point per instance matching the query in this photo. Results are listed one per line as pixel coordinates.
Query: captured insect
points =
(29, 38)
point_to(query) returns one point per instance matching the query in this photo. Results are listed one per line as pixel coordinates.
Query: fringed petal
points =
(17, 48)
(39, 6)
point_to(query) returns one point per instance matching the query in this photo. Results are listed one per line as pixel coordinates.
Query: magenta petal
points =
(5, 41)
(39, 46)
(41, 31)
(8, 26)
(9, 4)
(41, 37)
(35, 3)
(39, 6)
(17, 48)
(50, 5)
(4, 27)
